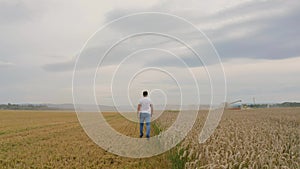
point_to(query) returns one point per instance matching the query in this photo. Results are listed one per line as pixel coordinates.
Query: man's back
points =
(145, 103)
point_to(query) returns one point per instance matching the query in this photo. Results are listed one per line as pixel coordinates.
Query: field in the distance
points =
(257, 138)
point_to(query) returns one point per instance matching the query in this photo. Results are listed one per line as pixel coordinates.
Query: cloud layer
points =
(255, 39)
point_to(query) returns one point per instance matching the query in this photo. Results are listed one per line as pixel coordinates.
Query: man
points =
(145, 112)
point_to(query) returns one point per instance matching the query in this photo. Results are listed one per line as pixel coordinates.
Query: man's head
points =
(145, 93)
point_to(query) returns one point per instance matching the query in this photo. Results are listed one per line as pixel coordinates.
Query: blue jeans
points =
(145, 117)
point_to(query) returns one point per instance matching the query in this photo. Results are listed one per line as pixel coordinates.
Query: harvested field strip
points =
(64, 145)
(35, 128)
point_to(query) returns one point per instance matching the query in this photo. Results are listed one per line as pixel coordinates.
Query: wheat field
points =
(255, 138)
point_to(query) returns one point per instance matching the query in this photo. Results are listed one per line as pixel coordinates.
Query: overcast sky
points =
(257, 41)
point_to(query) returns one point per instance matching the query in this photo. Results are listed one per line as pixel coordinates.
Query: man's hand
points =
(151, 109)
(138, 110)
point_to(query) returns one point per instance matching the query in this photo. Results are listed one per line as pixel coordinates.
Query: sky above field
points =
(257, 41)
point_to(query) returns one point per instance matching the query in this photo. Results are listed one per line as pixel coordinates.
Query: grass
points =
(177, 159)
(175, 155)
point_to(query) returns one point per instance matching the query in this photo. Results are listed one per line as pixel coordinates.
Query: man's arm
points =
(138, 110)
(151, 109)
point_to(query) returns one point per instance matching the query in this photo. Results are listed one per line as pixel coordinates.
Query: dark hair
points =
(145, 93)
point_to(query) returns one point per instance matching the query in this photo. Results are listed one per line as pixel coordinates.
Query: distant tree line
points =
(285, 104)
(10, 106)
(289, 104)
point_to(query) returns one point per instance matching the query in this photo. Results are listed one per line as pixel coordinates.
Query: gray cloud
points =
(59, 67)
(6, 64)
(91, 55)
(270, 29)
(21, 12)
(16, 11)
(273, 35)
(274, 39)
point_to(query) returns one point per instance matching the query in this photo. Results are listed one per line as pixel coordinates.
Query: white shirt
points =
(145, 105)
